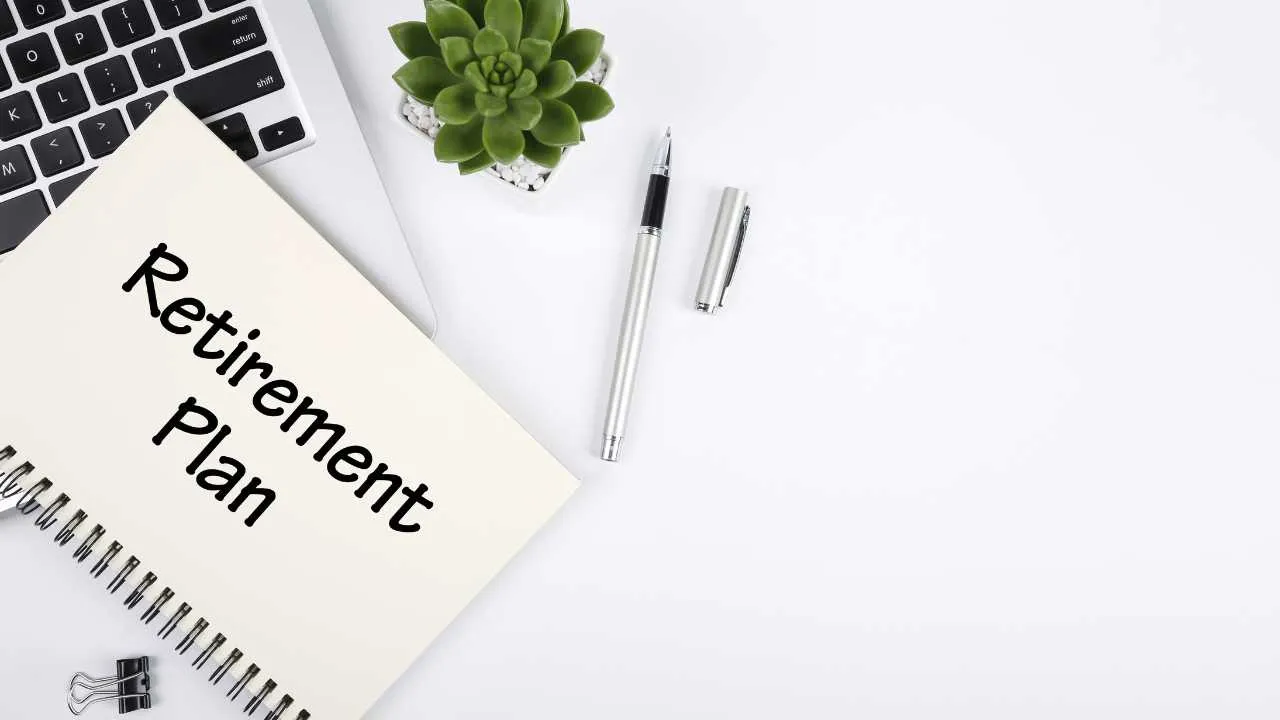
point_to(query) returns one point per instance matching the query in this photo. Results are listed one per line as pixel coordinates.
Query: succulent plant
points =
(502, 76)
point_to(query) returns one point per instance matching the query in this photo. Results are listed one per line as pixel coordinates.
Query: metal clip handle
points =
(84, 691)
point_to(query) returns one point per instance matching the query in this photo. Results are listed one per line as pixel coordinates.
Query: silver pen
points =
(639, 294)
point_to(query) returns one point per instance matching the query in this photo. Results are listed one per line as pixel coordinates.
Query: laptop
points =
(77, 77)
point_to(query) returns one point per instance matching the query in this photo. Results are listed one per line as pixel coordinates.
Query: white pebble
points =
(539, 183)
(432, 132)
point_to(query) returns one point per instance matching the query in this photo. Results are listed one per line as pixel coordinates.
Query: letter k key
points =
(18, 116)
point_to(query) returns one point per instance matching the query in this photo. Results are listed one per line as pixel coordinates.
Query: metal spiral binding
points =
(12, 486)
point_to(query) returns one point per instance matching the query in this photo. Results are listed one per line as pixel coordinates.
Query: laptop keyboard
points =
(78, 76)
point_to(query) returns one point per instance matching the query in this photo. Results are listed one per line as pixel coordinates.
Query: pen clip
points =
(737, 252)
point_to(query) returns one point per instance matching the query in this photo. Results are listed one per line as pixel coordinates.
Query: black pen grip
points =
(655, 204)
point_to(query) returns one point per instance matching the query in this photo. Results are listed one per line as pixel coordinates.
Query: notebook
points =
(254, 452)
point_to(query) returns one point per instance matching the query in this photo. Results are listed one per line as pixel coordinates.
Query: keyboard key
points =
(57, 152)
(5, 82)
(142, 108)
(216, 5)
(158, 62)
(222, 38)
(62, 189)
(8, 27)
(103, 133)
(128, 22)
(15, 170)
(19, 217)
(81, 39)
(32, 57)
(285, 132)
(35, 13)
(234, 131)
(18, 116)
(110, 80)
(233, 85)
(172, 13)
(85, 4)
(63, 98)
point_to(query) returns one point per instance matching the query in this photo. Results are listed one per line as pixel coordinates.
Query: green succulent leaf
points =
(559, 125)
(489, 66)
(476, 164)
(444, 19)
(525, 85)
(490, 105)
(545, 155)
(503, 140)
(556, 80)
(507, 17)
(414, 40)
(457, 54)
(475, 76)
(473, 7)
(424, 78)
(456, 143)
(581, 48)
(564, 28)
(514, 62)
(502, 91)
(543, 19)
(589, 101)
(536, 53)
(490, 42)
(524, 112)
(456, 105)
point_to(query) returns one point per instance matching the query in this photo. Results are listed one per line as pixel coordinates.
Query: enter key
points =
(223, 37)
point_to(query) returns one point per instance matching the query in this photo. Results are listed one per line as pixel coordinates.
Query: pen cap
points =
(726, 246)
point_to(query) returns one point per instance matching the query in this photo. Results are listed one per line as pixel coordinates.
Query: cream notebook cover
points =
(321, 484)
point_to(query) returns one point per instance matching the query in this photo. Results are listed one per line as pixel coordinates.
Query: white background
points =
(987, 429)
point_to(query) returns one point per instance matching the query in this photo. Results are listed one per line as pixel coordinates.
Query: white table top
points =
(987, 429)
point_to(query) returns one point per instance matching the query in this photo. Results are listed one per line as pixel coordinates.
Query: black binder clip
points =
(130, 687)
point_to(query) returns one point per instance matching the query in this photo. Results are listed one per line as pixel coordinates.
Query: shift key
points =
(223, 37)
(235, 84)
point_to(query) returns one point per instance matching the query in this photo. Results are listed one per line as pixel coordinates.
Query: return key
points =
(222, 38)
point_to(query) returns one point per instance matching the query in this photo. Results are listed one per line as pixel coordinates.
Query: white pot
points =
(524, 175)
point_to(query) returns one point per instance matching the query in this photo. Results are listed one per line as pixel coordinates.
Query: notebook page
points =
(331, 559)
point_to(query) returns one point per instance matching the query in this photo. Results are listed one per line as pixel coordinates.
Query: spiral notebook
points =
(249, 447)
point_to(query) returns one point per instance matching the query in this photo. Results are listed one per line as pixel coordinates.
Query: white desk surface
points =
(987, 430)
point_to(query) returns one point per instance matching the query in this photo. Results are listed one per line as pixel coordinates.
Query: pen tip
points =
(662, 160)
